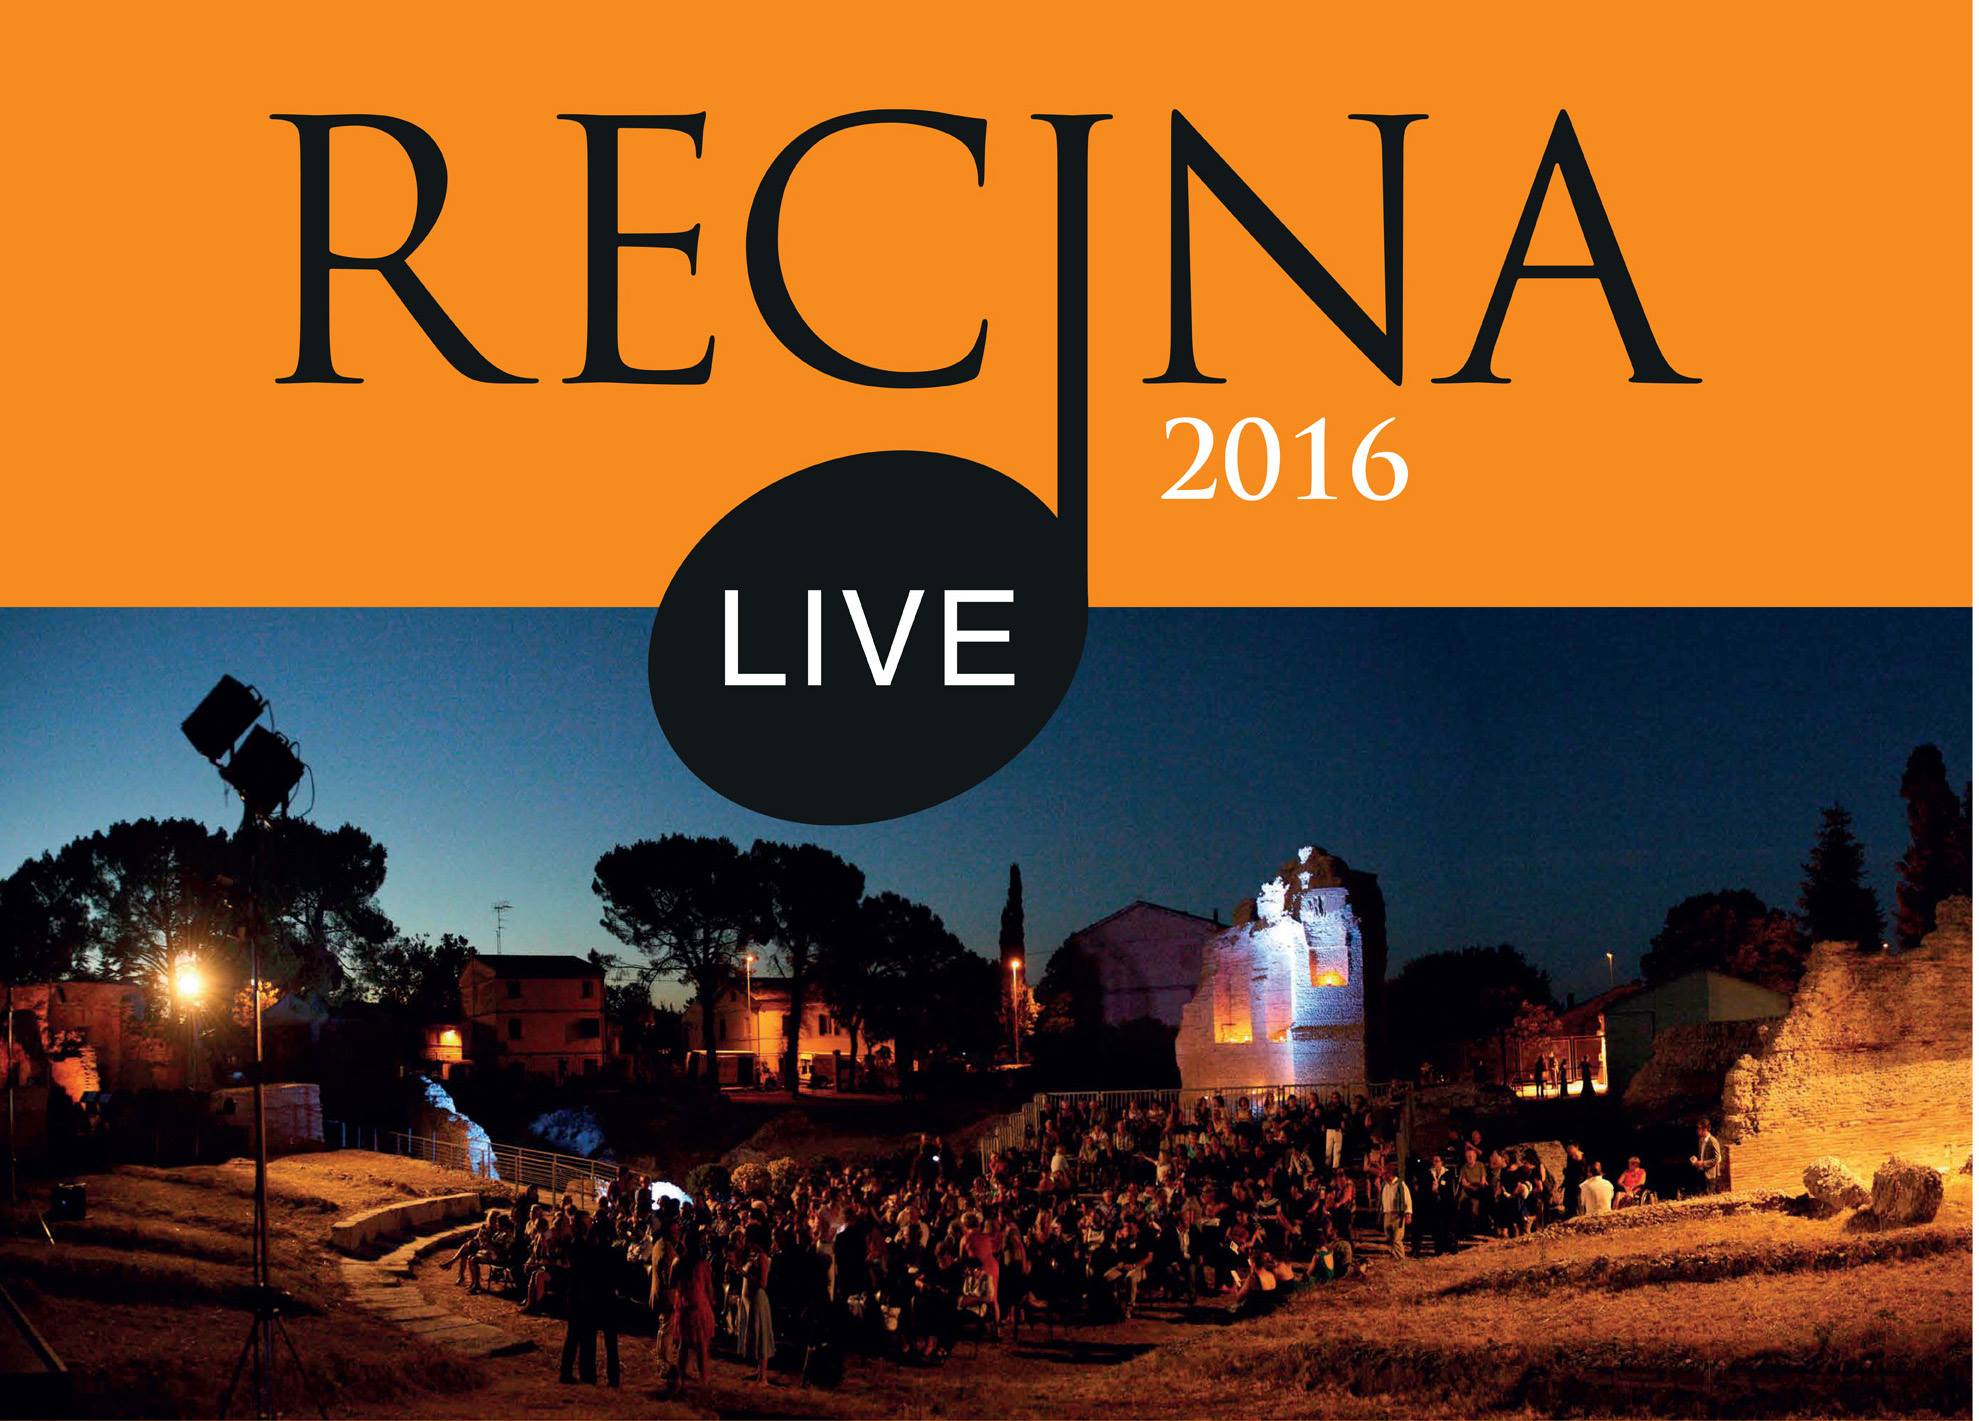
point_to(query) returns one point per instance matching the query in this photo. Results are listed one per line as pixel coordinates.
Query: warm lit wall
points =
(550, 1025)
(1874, 1060)
(737, 1029)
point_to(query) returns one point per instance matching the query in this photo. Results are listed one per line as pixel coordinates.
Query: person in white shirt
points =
(1397, 1209)
(1597, 1195)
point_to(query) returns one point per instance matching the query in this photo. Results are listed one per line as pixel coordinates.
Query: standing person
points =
(1397, 1210)
(661, 1265)
(1441, 1187)
(694, 1306)
(1709, 1160)
(1473, 1191)
(606, 1258)
(761, 1334)
(588, 1307)
(1572, 1177)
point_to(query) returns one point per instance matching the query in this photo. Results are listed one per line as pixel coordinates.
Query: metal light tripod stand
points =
(267, 1320)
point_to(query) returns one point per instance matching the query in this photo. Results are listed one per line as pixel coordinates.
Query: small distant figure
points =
(1597, 1195)
(1587, 1080)
(1539, 1078)
(1709, 1161)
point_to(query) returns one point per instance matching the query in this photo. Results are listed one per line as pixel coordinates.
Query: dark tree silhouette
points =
(1010, 934)
(1473, 994)
(44, 923)
(1730, 931)
(929, 993)
(414, 976)
(153, 889)
(691, 905)
(846, 976)
(1010, 952)
(322, 897)
(1938, 863)
(629, 1007)
(1835, 904)
(1069, 994)
(811, 899)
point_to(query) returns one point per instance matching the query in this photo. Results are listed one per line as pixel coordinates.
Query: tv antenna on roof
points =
(502, 909)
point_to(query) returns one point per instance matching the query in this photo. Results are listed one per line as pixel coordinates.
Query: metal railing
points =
(1020, 1128)
(511, 1164)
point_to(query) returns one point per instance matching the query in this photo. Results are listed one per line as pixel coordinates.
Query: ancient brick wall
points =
(1874, 1060)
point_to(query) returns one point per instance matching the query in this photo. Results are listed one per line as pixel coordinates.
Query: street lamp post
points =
(755, 1027)
(1016, 988)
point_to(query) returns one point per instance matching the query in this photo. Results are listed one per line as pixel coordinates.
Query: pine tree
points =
(1938, 863)
(1835, 904)
(1010, 938)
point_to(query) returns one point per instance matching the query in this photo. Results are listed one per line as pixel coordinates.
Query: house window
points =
(585, 989)
(515, 1028)
(824, 1025)
(587, 1028)
(721, 1028)
(590, 1066)
(1327, 966)
(514, 987)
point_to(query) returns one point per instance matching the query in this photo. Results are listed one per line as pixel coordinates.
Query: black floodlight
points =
(264, 772)
(222, 718)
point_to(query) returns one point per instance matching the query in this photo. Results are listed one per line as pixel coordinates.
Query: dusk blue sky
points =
(1555, 779)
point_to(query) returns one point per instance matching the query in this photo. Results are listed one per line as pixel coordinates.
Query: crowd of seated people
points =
(1103, 1208)
(1469, 1190)
(1225, 1202)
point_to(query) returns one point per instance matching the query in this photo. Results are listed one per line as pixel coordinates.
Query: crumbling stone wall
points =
(1687, 1070)
(1286, 992)
(1874, 1060)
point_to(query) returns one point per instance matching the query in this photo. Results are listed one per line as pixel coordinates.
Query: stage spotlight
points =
(222, 718)
(263, 772)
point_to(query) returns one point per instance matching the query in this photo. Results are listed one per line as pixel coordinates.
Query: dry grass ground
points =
(145, 1298)
(1731, 1307)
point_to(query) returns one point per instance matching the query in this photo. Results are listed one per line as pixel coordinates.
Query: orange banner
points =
(1791, 198)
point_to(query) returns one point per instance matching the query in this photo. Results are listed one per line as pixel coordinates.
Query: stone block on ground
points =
(1906, 1192)
(1833, 1186)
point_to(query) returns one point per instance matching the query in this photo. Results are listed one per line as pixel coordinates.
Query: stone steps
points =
(379, 1287)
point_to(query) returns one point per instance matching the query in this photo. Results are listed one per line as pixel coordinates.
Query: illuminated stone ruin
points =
(1288, 992)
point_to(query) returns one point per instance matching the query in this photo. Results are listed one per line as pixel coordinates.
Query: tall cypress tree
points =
(1010, 937)
(1938, 863)
(1835, 904)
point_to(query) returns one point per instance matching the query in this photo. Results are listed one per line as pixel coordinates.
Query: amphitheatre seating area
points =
(380, 1284)
(362, 1234)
